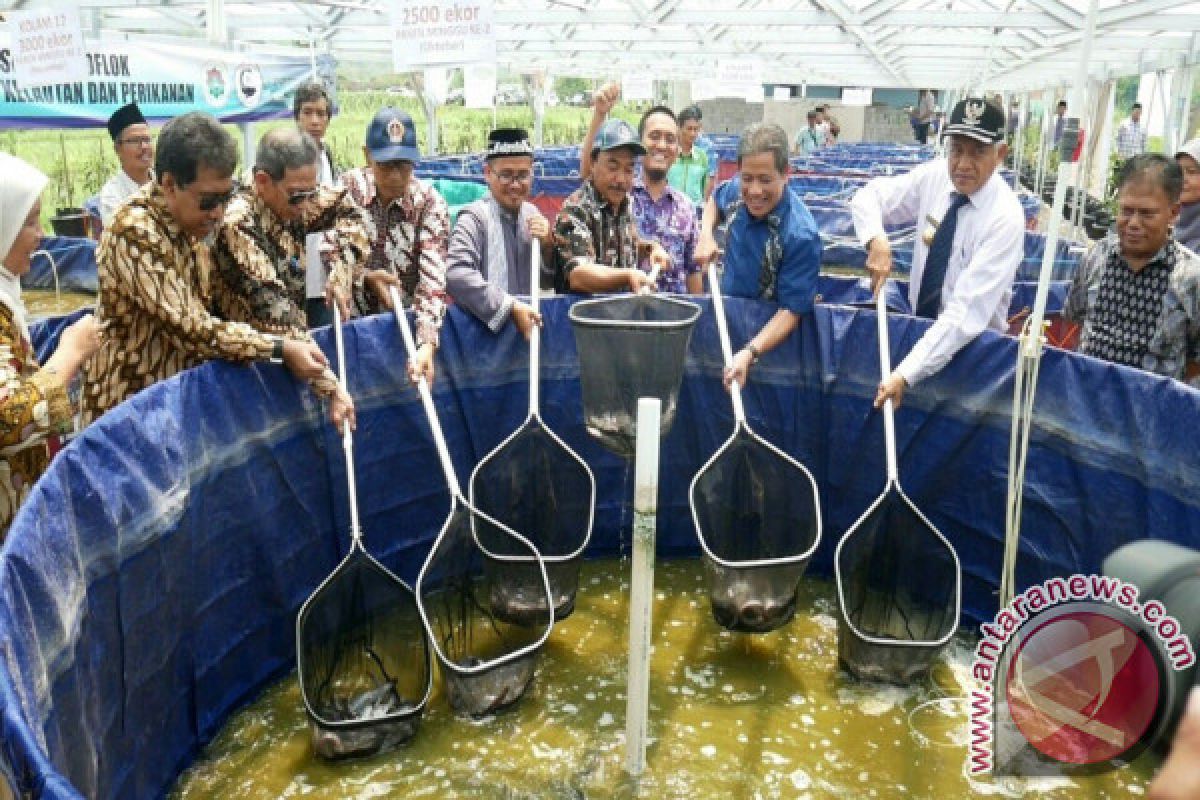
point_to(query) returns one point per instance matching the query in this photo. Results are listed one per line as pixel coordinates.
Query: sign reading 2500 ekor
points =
(429, 33)
(164, 80)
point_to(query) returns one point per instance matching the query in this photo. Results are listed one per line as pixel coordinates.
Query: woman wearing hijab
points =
(33, 399)
(1187, 229)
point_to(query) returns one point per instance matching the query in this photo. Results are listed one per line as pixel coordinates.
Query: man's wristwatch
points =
(755, 353)
(276, 349)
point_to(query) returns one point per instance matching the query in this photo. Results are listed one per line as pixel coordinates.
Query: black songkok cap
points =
(508, 142)
(123, 117)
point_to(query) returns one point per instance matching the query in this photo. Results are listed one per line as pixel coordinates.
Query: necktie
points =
(929, 297)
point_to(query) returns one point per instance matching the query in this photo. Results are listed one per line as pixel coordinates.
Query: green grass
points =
(78, 162)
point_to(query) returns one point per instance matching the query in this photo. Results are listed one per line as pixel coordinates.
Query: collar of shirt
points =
(156, 201)
(592, 196)
(1115, 256)
(363, 179)
(263, 217)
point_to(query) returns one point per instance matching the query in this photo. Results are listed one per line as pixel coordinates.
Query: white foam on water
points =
(708, 750)
(605, 720)
(774, 759)
(800, 779)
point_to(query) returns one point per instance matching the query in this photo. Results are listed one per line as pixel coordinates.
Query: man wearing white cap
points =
(962, 275)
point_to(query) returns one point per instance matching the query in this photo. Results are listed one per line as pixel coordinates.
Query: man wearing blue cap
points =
(596, 241)
(408, 225)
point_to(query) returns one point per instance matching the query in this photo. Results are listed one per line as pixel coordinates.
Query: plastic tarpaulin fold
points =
(73, 257)
(149, 586)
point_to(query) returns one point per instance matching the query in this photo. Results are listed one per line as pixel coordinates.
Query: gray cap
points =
(615, 134)
(1191, 148)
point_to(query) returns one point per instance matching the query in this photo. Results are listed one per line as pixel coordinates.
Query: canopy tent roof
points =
(996, 44)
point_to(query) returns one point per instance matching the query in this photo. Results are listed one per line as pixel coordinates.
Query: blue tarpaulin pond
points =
(149, 586)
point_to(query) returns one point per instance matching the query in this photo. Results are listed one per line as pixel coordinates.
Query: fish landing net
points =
(899, 581)
(757, 516)
(364, 664)
(630, 346)
(535, 484)
(487, 660)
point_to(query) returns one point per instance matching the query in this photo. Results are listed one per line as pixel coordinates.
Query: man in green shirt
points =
(694, 168)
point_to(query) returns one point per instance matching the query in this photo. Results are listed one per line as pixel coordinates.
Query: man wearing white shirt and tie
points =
(962, 274)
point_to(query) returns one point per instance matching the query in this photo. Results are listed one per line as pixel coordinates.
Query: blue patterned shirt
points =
(671, 221)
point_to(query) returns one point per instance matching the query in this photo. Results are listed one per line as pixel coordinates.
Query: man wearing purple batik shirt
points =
(662, 213)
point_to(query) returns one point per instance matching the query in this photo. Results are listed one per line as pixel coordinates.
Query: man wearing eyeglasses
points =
(135, 150)
(156, 278)
(493, 240)
(408, 225)
(260, 250)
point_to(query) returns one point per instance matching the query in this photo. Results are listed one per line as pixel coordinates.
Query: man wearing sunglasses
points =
(135, 150)
(493, 240)
(408, 225)
(261, 247)
(260, 251)
(156, 278)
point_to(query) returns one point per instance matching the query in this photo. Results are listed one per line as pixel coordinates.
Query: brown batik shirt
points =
(261, 260)
(156, 289)
(409, 239)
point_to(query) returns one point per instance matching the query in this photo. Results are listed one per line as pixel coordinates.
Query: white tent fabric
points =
(1007, 45)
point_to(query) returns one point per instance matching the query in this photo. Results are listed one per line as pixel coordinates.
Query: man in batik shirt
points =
(1137, 294)
(155, 275)
(408, 226)
(260, 248)
(597, 245)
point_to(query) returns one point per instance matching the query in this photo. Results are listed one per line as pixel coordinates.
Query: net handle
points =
(885, 369)
(439, 438)
(535, 274)
(347, 436)
(735, 391)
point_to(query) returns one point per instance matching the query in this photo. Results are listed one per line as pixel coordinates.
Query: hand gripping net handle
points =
(885, 369)
(347, 436)
(439, 438)
(735, 391)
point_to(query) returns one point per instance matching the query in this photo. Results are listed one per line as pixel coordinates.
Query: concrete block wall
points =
(729, 114)
(883, 124)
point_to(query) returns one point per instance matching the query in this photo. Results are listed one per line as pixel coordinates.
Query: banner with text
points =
(740, 77)
(164, 80)
(431, 33)
(48, 47)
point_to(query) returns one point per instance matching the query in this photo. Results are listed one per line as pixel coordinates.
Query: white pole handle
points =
(885, 369)
(347, 436)
(641, 584)
(735, 391)
(439, 439)
(535, 280)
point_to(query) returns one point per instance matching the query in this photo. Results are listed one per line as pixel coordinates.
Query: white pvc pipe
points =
(641, 588)
(347, 436)
(535, 335)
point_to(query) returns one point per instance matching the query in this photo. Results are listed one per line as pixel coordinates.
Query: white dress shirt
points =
(989, 244)
(314, 271)
(116, 190)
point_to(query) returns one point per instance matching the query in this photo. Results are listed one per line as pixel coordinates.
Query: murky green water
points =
(46, 302)
(733, 716)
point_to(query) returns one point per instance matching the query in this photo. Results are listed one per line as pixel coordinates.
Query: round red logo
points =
(1083, 687)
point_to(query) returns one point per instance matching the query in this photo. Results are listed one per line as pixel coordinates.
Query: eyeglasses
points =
(507, 176)
(213, 200)
(301, 196)
(140, 141)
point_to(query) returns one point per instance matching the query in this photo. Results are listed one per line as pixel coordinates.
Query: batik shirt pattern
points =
(1149, 319)
(590, 231)
(156, 289)
(33, 407)
(261, 261)
(409, 239)
(671, 221)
